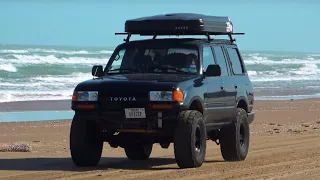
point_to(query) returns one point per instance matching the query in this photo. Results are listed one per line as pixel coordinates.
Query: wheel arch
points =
(196, 103)
(242, 103)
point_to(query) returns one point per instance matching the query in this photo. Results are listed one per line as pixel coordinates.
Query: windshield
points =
(137, 59)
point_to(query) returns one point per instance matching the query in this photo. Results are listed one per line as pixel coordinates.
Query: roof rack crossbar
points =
(125, 33)
(177, 34)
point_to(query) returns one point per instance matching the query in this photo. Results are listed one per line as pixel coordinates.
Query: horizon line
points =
(114, 46)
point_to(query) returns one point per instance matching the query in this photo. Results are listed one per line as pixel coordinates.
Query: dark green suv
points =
(166, 90)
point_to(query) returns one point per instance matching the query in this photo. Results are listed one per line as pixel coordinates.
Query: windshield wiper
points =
(170, 68)
(123, 69)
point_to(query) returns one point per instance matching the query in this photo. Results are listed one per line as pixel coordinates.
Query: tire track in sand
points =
(282, 157)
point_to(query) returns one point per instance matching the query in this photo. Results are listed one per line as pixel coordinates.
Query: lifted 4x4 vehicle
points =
(183, 91)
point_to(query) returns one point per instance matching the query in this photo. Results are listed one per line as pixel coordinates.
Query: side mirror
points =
(213, 70)
(97, 71)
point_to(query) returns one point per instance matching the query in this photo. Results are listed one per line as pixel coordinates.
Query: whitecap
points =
(8, 67)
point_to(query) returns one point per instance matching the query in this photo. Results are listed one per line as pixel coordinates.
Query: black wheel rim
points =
(198, 139)
(242, 139)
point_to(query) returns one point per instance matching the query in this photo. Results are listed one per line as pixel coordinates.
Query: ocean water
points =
(35, 116)
(49, 72)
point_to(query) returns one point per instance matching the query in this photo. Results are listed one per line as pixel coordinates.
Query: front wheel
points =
(190, 139)
(234, 139)
(85, 143)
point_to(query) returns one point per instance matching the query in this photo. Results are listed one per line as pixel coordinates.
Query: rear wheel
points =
(85, 143)
(190, 139)
(138, 151)
(234, 139)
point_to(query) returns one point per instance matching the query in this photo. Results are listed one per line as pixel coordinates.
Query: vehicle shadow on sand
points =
(66, 164)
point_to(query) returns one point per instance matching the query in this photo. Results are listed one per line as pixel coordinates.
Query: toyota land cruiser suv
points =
(183, 91)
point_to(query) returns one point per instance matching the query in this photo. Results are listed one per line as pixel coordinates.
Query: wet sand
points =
(284, 145)
(44, 105)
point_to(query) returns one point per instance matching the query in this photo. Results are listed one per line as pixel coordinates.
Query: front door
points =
(215, 94)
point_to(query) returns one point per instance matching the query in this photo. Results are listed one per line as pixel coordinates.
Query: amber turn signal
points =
(74, 96)
(177, 96)
(85, 106)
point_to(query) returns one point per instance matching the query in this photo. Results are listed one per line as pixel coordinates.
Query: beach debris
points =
(15, 147)
(305, 125)
(270, 131)
(297, 131)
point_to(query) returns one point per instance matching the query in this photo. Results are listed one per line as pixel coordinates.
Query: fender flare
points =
(244, 99)
(199, 99)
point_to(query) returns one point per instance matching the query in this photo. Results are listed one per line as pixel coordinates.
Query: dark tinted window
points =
(207, 57)
(235, 61)
(154, 58)
(221, 60)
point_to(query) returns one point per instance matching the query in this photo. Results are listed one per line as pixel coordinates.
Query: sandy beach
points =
(284, 145)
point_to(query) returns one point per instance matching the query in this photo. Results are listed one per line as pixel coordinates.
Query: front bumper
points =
(156, 121)
(251, 116)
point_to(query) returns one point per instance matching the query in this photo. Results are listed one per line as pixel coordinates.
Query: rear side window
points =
(207, 57)
(221, 60)
(235, 61)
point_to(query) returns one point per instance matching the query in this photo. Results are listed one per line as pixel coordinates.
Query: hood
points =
(150, 77)
(141, 81)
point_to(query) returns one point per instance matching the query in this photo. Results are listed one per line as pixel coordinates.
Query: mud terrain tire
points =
(85, 143)
(234, 139)
(138, 151)
(190, 139)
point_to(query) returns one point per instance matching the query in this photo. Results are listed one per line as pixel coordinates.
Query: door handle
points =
(235, 86)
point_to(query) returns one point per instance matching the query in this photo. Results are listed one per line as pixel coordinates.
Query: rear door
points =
(215, 95)
(226, 77)
(237, 80)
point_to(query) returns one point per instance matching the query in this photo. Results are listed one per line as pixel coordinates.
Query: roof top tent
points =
(180, 24)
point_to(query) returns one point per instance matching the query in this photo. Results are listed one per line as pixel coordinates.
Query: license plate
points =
(135, 113)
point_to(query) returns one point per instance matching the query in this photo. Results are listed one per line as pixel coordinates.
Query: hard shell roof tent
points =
(180, 24)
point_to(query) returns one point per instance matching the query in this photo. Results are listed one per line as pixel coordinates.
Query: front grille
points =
(121, 99)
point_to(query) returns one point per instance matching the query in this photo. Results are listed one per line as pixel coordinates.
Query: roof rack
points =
(155, 35)
(179, 24)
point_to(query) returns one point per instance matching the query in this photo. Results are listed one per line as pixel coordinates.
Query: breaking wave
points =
(52, 73)
(51, 59)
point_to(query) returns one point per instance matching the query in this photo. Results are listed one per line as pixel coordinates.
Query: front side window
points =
(118, 60)
(148, 59)
(207, 57)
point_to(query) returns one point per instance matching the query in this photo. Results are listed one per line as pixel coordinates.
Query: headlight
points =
(166, 96)
(87, 96)
(160, 95)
